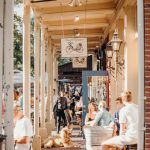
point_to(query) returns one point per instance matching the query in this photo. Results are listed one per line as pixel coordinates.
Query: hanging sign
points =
(74, 47)
(79, 62)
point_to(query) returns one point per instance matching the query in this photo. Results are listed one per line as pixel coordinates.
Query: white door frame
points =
(141, 128)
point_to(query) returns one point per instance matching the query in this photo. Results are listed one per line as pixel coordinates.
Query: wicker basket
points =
(96, 135)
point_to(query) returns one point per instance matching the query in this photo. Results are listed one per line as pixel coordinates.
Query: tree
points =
(18, 40)
(18, 55)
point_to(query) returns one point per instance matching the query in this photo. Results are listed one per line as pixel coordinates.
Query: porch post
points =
(55, 73)
(26, 60)
(43, 130)
(8, 71)
(42, 87)
(1, 58)
(51, 85)
(48, 124)
(36, 139)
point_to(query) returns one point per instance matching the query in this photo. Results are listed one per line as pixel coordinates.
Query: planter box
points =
(96, 135)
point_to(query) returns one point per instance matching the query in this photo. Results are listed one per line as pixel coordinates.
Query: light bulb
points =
(76, 18)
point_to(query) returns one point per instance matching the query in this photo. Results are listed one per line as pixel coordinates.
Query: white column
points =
(43, 131)
(131, 52)
(37, 139)
(51, 83)
(141, 99)
(49, 78)
(26, 60)
(8, 72)
(42, 87)
(1, 57)
(48, 125)
(36, 75)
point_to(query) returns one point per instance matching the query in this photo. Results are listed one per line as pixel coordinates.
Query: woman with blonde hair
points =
(90, 116)
(128, 119)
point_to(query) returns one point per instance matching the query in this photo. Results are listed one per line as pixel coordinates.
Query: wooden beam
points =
(72, 22)
(81, 26)
(108, 6)
(93, 39)
(68, 32)
(65, 3)
(71, 36)
(101, 13)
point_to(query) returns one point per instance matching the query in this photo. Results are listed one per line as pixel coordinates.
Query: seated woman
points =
(128, 119)
(103, 117)
(92, 111)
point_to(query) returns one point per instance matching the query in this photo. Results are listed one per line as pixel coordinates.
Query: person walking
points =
(61, 106)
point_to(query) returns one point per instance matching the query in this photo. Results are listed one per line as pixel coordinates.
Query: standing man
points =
(22, 130)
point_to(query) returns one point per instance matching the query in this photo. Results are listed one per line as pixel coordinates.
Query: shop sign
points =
(74, 47)
(79, 62)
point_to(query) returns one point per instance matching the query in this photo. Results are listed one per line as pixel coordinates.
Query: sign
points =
(74, 47)
(79, 62)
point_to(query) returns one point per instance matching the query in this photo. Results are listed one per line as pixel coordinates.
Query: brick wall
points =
(147, 72)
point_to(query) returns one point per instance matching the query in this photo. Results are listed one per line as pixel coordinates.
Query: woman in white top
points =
(22, 130)
(128, 119)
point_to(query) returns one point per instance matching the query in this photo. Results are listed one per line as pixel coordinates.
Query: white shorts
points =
(120, 141)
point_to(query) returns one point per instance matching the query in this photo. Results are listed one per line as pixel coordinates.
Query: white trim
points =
(140, 12)
(1, 58)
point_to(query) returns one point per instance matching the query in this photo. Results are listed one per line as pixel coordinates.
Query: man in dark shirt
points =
(61, 106)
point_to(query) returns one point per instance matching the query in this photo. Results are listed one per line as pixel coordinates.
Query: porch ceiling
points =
(95, 18)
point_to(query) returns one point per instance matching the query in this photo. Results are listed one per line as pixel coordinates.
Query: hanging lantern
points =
(109, 51)
(115, 42)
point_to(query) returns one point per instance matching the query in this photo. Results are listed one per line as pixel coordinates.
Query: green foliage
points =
(18, 42)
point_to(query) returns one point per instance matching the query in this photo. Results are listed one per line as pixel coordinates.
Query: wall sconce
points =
(112, 51)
